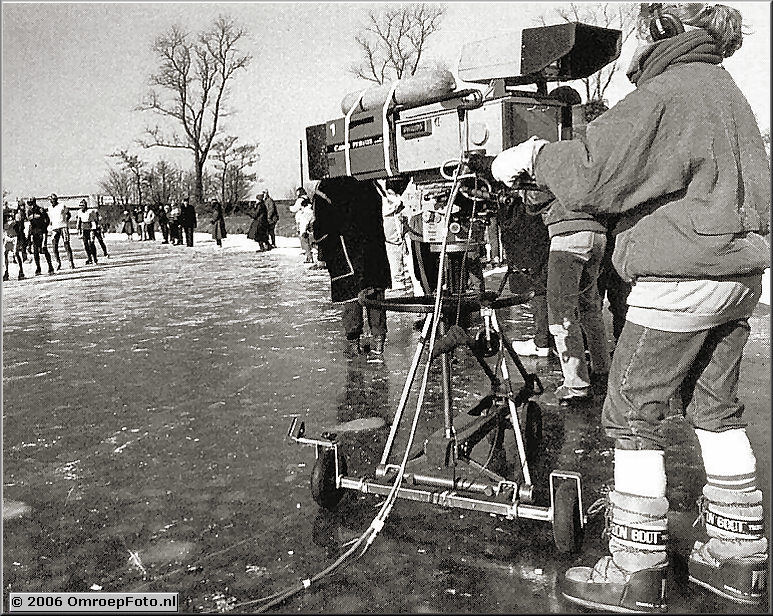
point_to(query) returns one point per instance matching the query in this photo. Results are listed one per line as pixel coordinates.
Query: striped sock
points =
(728, 459)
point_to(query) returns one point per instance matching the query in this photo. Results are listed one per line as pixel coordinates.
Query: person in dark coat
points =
(188, 220)
(349, 231)
(218, 222)
(526, 243)
(127, 224)
(259, 229)
(99, 232)
(39, 222)
(139, 222)
(163, 222)
(273, 217)
(20, 220)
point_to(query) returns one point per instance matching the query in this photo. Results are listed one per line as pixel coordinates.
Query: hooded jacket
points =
(681, 159)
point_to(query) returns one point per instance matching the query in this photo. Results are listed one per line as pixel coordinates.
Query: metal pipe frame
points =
(511, 404)
(407, 388)
(451, 499)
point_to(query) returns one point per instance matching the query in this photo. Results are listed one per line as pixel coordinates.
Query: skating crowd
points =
(175, 222)
(26, 231)
(28, 227)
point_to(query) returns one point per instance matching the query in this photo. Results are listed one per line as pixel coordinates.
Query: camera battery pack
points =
(368, 156)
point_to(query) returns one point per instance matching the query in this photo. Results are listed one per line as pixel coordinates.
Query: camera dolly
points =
(439, 471)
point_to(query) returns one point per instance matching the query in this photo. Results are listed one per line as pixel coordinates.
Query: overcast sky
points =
(73, 72)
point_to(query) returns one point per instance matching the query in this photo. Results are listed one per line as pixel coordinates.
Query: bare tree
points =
(394, 40)
(620, 16)
(117, 184)
(222, 154)
(160, 180)
(246, 156)
(191, 87)
(230, 161)
(134, 165)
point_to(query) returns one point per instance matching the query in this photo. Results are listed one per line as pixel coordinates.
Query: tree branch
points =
(393, 41)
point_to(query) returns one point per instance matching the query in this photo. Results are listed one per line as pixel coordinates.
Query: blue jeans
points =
(650, 366)
(574, 305)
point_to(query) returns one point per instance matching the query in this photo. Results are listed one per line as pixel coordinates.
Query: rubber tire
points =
(532, 441)
(567, 529)
(323, 480)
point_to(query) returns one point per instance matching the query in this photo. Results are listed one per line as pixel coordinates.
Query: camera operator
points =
(349, 231)
(681, 160)
(526, 242)
(577, 242)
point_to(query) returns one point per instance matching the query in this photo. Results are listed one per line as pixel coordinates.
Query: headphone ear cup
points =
(663, 26)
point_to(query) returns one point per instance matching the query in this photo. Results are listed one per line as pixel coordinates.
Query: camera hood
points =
(549, 53)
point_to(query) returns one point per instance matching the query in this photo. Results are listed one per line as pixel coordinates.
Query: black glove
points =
(480, 163)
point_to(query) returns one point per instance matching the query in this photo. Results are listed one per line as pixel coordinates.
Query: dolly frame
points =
(514, 498)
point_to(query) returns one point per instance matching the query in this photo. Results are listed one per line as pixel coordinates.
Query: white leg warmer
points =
(640, 472)
(728, 459)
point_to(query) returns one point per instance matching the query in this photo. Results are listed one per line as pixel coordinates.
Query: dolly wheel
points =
(567, 527)
(323, 480)
(533, 432)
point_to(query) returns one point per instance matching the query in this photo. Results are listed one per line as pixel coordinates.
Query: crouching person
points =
(349, 231)
(682, 162)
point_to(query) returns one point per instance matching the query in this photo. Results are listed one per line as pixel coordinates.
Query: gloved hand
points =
(516, 161)
(479, 163)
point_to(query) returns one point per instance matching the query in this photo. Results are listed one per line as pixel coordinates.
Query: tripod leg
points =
(511, 405)
(486, 368)
(445, 364)
(508, 346)
(407, 388)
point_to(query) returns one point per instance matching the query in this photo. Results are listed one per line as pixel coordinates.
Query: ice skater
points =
(98, 231)
(12, 244)
(86, 222)
(39, 222)
(60, 229)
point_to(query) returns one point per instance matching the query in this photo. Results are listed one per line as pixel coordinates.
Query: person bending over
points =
(349, 231)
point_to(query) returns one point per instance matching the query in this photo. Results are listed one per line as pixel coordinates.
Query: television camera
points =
(442, 140)
(431, 135)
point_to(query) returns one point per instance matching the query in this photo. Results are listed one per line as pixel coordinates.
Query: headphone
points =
(663, 25)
